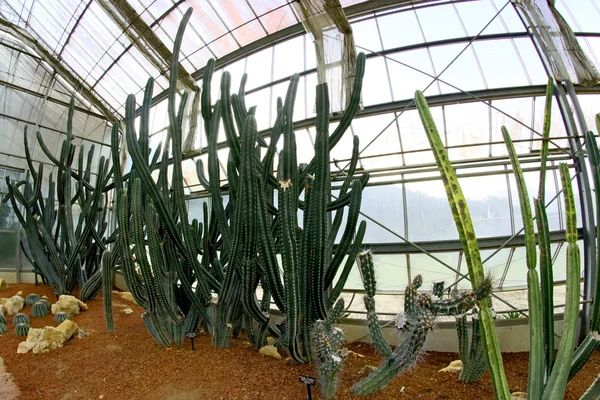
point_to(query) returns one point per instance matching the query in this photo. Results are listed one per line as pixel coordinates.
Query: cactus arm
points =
(594, 156)
(379, 341)
(593, 392)
(226, 114)
(584, 352)
(535, 380)
(267, 249)
(466, 233)
(337, 220)
(547, 281)
(348, 236)
(319, 193)
(341, 282)
(546, 274)
(205, 100)
(557, 381)
(404, 357)
(107, 284)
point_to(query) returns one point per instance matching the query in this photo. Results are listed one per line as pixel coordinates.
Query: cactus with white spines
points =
(327, 340)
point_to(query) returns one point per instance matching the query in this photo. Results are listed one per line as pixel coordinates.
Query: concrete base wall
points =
(11, 277)
(513, 335)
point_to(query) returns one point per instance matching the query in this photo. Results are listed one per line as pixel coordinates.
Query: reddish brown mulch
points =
(128, 364)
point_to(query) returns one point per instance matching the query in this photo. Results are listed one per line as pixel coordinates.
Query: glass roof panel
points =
(582, 16)
(458, 66)
(411, 32)
(429, 18)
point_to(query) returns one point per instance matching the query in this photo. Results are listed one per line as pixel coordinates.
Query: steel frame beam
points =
(582, 175)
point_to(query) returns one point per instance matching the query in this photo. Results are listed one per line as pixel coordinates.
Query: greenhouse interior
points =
(290, 199)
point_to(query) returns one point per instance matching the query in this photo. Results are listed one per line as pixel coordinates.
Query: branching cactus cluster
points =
(157, 246)
(420, 312)
(550, 373)
(214, 268)
(63, 250)
(252, 230)
(329, 355)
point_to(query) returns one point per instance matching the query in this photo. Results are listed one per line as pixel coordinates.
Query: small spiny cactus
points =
(22, 329)
(21, 319)
(3, 329)
(2, 319)
(39, 310)
(46, 302)
(31, 299)
(61, 317)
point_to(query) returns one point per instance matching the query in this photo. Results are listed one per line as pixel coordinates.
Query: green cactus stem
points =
(327, 341)
(557, 382)
(471, 352)
(404, 357)
(593, 392)
(466, 233)
(3, 329)
(535, 385)
(107, 286)
(2, 319)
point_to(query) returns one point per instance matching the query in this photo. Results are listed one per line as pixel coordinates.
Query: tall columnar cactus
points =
(541, 306)
(64, 251)
(107, 285)
(160, 257)
(466, 233)
(251, 221)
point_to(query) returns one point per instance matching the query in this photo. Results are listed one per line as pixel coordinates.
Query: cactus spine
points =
(466, 233)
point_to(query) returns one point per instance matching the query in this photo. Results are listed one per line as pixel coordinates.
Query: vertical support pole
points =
(585, 193)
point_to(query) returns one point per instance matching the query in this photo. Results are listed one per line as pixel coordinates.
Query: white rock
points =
(14, 305)
(3, 284)
(127, 296)
(47, 339)
(270, 351)
(127, 311)
(25, 347)
(19, 293)
(518, 396)
(69, 305)
(45, 297)
(454, 366)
